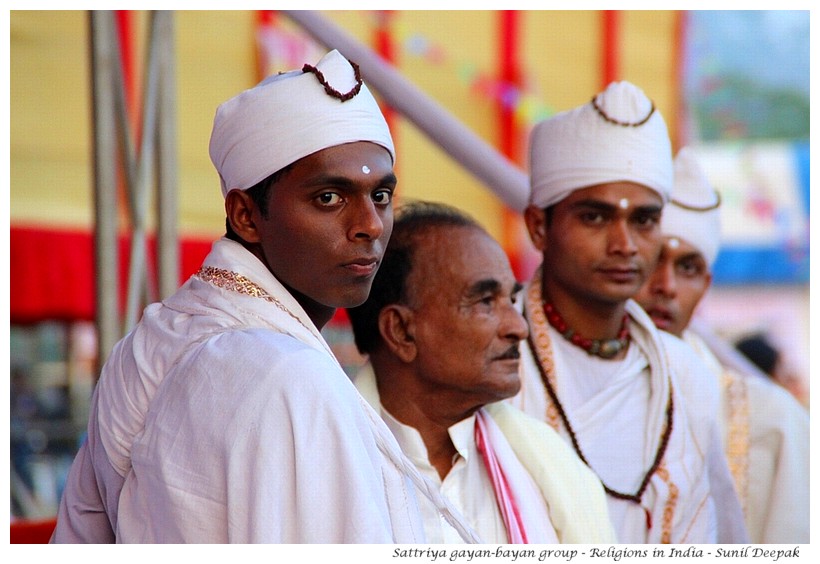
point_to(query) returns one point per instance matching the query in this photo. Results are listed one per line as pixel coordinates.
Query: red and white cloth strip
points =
(503, 493)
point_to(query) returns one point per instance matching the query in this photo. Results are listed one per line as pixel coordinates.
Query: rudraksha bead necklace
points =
(605, 348)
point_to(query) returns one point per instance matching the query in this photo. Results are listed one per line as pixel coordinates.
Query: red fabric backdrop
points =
(52, 272)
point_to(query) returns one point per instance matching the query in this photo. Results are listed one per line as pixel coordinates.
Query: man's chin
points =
(354, 298)
(509, 384)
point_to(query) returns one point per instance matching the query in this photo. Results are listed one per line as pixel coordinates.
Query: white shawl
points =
(766, 438)
(189, 401)
(679, 504)
(575, 499)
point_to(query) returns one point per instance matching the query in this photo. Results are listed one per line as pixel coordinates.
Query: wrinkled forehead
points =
(451, 259)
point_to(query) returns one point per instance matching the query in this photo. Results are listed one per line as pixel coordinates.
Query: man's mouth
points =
(618, 274)
(661, 317)
(362, 266)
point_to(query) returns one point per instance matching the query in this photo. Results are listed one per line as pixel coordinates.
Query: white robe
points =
(560, 499)
(766, 436)
(618, 411)
(225, 418)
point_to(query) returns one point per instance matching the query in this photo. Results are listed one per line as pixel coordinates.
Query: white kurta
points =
(766, 436)
(468, 486)
(559, 499)
(618, 410)
(225, 418)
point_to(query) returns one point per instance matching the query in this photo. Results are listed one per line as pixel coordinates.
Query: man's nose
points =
(367, 222)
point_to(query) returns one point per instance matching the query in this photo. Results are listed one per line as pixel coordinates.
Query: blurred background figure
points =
(765, 431)
(760, 349)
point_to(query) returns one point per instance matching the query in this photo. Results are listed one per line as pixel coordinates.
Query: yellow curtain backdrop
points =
(449, 54)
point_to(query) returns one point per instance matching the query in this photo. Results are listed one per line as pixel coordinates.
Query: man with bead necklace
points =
(765, 429)
(224, 416)
(635, 404)
(445, 280)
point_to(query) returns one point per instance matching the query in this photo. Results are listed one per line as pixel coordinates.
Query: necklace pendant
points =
(609, 348)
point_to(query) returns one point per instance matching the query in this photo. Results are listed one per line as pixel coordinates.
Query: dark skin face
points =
(602, 243)
(454, 347)
(329, 219)
(673, 291)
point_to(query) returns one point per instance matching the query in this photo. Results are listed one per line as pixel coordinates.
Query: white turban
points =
(618, 136)
(289, 116)
(693, 213)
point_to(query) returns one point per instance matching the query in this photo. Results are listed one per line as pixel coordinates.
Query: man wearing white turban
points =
(765, 429)
(635, 404)
(224, 416)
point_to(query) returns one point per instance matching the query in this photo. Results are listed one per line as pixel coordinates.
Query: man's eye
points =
(329, 198)
(592, 217)
(487, 302)
(688, 269)
(382, 196)
(646, 220)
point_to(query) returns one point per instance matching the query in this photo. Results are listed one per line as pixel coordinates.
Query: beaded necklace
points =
(605, 348)
(547, 376)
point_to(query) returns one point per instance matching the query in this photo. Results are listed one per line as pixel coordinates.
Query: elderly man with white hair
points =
(636, 404)
(223, 416)
(765, 430)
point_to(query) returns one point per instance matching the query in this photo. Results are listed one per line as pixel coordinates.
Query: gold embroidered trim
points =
(671, 503)
(534, 311)
(228, 280)
(737, 436)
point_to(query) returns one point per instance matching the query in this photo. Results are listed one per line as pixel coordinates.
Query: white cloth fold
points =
(766, 438)
(229, 420)
(509, 500)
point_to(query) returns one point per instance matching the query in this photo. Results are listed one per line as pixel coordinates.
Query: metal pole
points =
(167, 238)
(140, 190)
(508, 181)
(103, 59)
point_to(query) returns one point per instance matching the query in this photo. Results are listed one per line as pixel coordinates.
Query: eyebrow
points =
(607, 207)
(388, 179)
(490, 285)
(594, 204)
(483, 286)
(691, 256)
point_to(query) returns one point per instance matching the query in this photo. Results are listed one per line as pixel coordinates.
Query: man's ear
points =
(239, 208)
(536, 220)
(397, 328)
